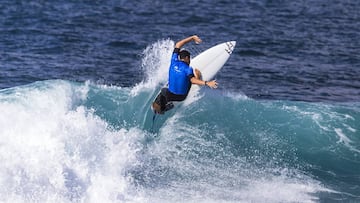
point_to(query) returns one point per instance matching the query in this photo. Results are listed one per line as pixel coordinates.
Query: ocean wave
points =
(64, 141)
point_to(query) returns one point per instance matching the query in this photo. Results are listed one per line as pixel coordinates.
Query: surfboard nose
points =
(230, 46)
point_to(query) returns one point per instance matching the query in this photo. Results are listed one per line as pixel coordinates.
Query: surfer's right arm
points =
(182, 42)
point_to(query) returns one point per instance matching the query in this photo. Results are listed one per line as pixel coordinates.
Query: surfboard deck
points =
(209, 62)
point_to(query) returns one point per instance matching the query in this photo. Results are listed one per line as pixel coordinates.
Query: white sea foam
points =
(236, 96)
(155, 64)
(342, 137)
(222, 177)
(345, 140)
(55, 150)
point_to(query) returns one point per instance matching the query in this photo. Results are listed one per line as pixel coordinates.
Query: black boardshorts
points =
(173, 97)
(165, 96)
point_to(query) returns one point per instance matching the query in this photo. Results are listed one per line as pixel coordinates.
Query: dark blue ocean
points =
(77, 79)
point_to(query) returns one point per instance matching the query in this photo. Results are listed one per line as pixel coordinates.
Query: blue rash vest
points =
(180, 74)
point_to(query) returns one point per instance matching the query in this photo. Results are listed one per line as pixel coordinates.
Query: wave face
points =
(63, 141)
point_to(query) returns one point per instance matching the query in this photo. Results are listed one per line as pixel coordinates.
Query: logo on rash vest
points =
(176, 68)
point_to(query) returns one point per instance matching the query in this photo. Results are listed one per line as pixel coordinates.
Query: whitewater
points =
(65, 141)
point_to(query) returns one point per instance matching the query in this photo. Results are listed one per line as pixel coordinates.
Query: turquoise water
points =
(63, 141)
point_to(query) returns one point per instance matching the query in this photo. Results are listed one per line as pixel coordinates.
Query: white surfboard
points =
(210, 61)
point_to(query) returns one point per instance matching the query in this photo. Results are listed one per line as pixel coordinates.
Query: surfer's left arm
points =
(182, 42)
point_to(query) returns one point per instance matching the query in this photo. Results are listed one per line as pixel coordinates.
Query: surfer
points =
(181, 77)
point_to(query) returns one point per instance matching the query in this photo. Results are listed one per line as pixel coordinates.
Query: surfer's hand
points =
(212, 84)
(196, 39)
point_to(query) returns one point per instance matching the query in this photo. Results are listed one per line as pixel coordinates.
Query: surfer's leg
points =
(163, 101)
(163, 98)
(159, 105)
(169, 106)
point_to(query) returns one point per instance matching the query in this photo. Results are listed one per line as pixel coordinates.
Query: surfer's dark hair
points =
(183, 54)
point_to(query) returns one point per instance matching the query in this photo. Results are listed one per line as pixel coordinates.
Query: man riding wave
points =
(181, 77)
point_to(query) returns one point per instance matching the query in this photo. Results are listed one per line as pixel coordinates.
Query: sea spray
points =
(155, 63)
